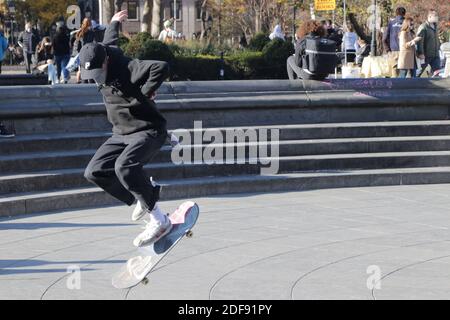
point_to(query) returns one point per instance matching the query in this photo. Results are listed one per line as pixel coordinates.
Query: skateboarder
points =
(139, 130)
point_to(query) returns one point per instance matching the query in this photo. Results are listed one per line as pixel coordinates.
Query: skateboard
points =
(137, 268)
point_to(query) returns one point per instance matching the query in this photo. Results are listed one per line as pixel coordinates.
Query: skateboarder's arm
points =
(111, 36)
(148, 74)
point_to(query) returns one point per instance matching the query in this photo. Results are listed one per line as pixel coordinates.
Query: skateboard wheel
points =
(145, 281)
(189, 234)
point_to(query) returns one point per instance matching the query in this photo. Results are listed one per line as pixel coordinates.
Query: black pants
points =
(117, 167)
(28, 61)
(1, 66)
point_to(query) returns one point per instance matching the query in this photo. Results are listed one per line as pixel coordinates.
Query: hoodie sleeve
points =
(112, 34)
(148, 74)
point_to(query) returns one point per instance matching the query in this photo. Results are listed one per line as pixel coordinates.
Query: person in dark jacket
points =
(391, 36)
(429, 45)
(28, 41)
(139, 129)
(310, 28)
(61, 49)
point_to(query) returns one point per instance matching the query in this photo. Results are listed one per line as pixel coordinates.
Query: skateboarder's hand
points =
(120, 16)
(152, 95)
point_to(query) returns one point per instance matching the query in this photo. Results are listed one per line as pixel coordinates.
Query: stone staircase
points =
(41, 170)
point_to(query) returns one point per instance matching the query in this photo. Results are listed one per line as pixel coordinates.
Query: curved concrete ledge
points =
(48, 101)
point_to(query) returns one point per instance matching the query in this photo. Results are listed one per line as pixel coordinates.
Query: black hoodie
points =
(128, 86)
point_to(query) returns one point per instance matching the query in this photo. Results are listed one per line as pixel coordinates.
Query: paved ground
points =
(327, 244)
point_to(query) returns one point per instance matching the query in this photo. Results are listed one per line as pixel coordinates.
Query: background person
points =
(82, 37)
(277, 33)
(391, 39)
(28, 41)
(45, 59)
(61, 47)
(429, 45)
(349, 43)
(298, 64)
(3, 48)
(407, 44)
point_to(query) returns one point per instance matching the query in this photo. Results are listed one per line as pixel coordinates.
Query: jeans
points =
(61, 63)
(52, 74)
(117, 167)
(404, 72)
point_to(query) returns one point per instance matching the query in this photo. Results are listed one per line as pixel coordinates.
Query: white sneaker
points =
(157, 228)
(138, 212)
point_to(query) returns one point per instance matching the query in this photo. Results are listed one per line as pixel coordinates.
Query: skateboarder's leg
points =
(101, 170)
(141, 148)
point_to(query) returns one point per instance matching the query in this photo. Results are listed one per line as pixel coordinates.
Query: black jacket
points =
(128, 85)
(61, 42)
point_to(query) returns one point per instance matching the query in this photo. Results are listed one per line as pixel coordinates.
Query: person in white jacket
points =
(277, 33)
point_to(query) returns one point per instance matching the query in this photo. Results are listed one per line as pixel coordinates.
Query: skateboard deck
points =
(138, 267)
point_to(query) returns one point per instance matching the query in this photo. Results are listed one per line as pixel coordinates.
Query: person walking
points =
(61, 48)
(139, 129)
(407, 44)
(429, 45)
(28, 41)
(391, 39)
(3, 48)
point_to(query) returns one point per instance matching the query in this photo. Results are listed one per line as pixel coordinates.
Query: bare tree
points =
(204, 17)
(118, 5)
(108, 10)
(156, 19)
(147, 15)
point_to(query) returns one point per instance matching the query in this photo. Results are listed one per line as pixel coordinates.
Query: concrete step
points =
(29, 162)
(56, 200)
(39, 143)
(71, 178)
(51, 142)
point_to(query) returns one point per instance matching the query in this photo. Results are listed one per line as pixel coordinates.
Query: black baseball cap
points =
(92, 56)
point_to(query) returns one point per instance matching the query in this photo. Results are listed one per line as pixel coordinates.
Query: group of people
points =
(410, 51)
(52, 55)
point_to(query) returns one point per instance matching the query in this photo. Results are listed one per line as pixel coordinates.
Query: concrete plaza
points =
(358, 243)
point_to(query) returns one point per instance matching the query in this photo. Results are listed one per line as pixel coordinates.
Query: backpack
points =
(320, 55)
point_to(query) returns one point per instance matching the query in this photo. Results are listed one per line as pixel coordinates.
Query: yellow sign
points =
(325, 5)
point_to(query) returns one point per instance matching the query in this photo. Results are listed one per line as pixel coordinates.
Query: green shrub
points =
(201, 67)
(245, 65)
(136, 43)
(275, 54)
(259, 41)
(123, 42)
(154, 50)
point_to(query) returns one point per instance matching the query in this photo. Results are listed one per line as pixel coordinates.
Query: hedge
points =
(192, 64)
